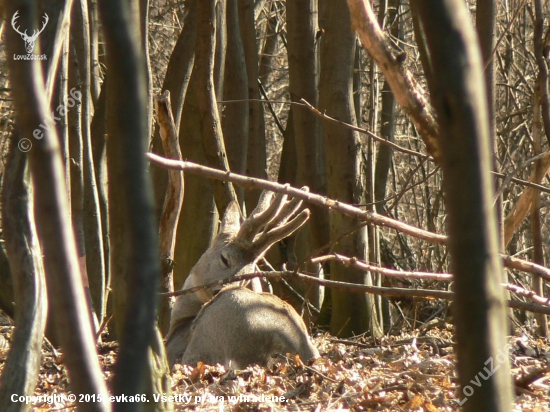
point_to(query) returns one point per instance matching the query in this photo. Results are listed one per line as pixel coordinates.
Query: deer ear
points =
(231, 221)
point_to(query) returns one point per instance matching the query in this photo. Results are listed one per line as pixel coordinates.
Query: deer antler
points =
(13, 19)
(271, 222)
(46, 20)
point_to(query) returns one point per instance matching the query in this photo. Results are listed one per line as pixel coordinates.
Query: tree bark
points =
(236, 113)
(132, 223)
(203, 71)
(458, 94)
(65, 289)
(256, 163)
(20, 372)
(302, 27)
(351, 314)
(176, 81)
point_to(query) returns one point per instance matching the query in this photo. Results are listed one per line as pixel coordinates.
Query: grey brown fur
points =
(238, 327)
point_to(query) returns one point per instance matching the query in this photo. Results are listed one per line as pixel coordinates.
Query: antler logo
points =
(30, 41)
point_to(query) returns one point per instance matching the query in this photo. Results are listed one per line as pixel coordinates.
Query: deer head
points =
(29, 40)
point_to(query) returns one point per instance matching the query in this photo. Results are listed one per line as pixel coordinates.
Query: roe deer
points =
(238, 327)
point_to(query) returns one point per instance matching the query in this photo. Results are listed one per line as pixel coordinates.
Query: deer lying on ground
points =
(236, 326)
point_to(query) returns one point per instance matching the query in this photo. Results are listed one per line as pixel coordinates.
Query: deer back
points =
(240, 327)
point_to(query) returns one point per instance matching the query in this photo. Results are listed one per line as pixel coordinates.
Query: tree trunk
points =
(485, 25)
(203, 71)
(352, 314)
(235, 112)
(176, 81)
(303, 84)
(76, 164)
(20, 372)
(198, 220)
(459, 97)
(256, 164)
(140, 365)
(65, 289)
(93, 233)
(99, 157)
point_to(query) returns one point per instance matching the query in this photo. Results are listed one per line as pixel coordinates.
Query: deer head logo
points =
(29, 40)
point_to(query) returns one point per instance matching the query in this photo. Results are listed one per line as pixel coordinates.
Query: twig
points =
(518, 169)
(518, 290)
(310, 278)
(522, 182)
(275, 117)
(364, 131)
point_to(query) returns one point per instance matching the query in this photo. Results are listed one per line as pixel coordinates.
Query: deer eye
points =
(224, 260)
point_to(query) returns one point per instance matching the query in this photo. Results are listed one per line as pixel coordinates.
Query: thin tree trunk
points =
(256, 163)
(220, 48)
(537, 282)
(144, 30)
(20, 372)
(203, 71)
(77, 175)
(176, 81)
(302, 27)
(235, 114)
(95, 71)
(98, 155)
(172, 207)
(93, 233)
(65, 289)
(485, 25)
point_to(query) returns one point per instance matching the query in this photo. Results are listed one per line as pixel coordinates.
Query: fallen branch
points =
(445, 277)
(367, 216)
(408, 93)
(526, 266)
(354, 288)
(518, 290)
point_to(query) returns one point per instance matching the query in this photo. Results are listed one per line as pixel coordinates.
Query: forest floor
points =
(398, 373)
